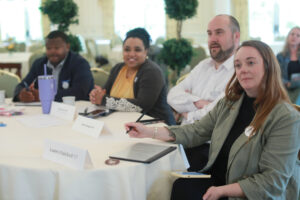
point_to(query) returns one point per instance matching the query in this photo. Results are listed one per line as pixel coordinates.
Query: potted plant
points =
(63, 13)
(178, 52)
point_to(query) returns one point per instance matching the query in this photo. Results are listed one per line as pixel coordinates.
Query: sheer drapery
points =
(20, 19)
(149, 14)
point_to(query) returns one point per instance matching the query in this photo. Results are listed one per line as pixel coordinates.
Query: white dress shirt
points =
(204, 82)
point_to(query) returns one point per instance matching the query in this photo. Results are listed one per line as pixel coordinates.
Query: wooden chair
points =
(12, 66)
(8, 82)
(100, 76)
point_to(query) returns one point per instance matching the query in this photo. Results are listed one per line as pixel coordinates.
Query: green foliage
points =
(61, 12)
(75, 44)
(176, 53)
(181, 9)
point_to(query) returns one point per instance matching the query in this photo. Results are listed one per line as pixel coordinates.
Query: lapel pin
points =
(248, 130)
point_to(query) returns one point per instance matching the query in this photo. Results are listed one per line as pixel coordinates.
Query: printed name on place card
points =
(63, 111)
(67, 155)
(89, 126)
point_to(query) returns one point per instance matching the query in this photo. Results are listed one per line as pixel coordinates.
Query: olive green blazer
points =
(266, 165)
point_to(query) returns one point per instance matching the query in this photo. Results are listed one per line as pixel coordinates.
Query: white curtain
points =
(271, 20)
(20, 19)
(149, 14)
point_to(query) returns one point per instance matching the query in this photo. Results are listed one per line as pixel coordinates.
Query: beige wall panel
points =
(89, 19)
(195, 28)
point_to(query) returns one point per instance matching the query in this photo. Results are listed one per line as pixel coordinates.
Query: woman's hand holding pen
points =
(138, 130)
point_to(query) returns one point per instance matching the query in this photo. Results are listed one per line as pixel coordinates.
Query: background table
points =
(24, 174)
(19, 58)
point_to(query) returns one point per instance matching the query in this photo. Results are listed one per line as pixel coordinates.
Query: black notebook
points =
(143, 152)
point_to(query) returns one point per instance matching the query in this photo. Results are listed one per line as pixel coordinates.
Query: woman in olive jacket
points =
(254, 132)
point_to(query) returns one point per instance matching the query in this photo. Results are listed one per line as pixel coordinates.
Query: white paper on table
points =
(28, 104)
(41, 121)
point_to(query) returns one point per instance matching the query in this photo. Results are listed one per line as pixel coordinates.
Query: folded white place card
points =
(89, 126)
(62, 110)
(67, 155)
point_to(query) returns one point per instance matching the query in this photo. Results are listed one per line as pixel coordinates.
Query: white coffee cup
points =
(70, 100)
(2, 96)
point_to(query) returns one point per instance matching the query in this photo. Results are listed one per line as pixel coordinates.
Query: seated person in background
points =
(254, 132)
(199, 92)
(71, 71)
(137, 84)
(289, 60)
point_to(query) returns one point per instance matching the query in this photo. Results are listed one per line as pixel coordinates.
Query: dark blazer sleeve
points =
(30, 77)
(148, 86)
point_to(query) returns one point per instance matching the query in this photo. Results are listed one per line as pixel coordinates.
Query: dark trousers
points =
(191, 188)
(197, 156)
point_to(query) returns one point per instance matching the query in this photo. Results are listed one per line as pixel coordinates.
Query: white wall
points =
(90, 19)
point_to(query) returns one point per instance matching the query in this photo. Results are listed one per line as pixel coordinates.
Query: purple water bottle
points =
(47, 91)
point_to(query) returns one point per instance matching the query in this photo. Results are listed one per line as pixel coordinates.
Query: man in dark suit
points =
(71, 71)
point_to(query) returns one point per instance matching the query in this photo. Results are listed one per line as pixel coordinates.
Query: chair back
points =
(12, 67)
(36, 47)
(21, 47)
(181, 78)
(116, 40)
(92, 51)
(100, 76)
(8, 82)
(199, 54)
(106, 68)
(91, 48)
(35, 56)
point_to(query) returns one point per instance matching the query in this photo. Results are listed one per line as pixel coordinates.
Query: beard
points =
(222, 55)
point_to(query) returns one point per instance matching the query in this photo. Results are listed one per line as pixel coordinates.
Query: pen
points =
(151, 121)
(136, 121)
(26, 86)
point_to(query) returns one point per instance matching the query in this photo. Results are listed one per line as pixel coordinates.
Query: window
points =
(149, 14)
(20, 19)
(271, 20)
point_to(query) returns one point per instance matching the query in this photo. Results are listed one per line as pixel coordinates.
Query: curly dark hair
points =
(140, 33)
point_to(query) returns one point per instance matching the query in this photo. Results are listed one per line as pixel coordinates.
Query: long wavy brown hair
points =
(286, 49)
(271, 90)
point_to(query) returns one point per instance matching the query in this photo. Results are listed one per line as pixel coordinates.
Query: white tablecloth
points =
(24, 174)
(17, 57)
